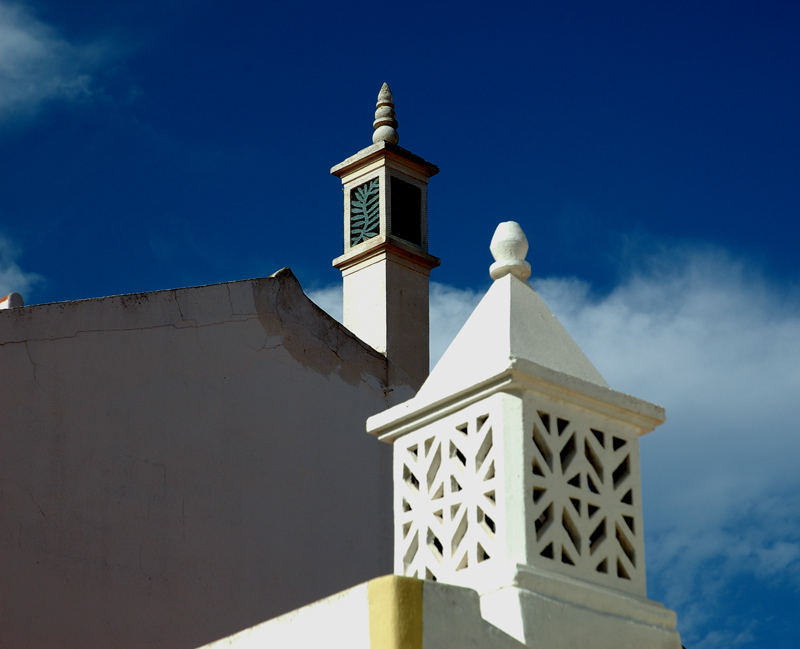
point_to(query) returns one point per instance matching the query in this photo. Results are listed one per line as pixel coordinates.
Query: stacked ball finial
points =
(385, 124)
(509, 246)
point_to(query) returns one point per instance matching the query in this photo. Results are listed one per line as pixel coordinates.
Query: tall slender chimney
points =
(386, 266)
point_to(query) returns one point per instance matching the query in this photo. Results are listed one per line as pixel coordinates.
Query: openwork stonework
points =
(446, 507)
(585, 495)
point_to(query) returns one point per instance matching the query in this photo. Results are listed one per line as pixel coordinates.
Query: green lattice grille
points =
(365, 215)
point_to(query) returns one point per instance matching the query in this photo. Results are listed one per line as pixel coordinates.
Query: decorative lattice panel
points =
(586, 517)
(446, 498)
(365, 217)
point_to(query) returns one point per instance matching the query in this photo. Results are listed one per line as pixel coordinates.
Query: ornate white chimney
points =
(516, 473)
(386, 266)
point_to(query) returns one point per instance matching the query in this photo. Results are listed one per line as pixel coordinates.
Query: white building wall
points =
(180, 465)
(389, 612)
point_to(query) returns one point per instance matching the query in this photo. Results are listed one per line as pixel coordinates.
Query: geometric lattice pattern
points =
(584, 494)
(447, 498)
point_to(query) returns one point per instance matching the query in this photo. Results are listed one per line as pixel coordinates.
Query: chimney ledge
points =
(518, 375)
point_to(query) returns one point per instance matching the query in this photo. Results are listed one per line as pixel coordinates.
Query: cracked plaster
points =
(152, 446)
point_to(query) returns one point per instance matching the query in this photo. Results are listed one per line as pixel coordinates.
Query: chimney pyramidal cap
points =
(509, 246)
(385, 124)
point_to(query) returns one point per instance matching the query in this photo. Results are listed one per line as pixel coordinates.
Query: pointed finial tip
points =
(509, 246)
(385, 124)
(385, 94)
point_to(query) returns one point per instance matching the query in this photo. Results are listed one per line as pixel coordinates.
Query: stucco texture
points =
(177, 466)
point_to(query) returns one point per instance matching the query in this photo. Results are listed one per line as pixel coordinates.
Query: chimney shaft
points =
(386, 266)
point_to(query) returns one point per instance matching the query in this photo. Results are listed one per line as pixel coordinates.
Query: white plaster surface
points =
(386, 304)
(365, 310)
(541, 621)
(511, 321)
(509, 246)
(179, 465)
(451, 619)
(341, 620)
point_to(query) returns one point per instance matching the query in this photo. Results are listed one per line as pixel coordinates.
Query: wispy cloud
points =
(329, 299)
(12, 278)
(718, 346)
(38, 65)
(450, 308)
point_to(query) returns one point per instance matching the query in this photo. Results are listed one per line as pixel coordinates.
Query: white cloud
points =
(329, 299)
(714, 343)
(12, 278)
(37, 65)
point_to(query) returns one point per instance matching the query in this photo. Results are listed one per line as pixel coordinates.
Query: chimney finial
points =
(385, 122)
(509, 246)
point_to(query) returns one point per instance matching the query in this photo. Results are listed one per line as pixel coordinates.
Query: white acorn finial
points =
(509, 246)
(385, 122)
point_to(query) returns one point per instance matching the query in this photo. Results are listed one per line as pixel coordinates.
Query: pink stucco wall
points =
(180, 465)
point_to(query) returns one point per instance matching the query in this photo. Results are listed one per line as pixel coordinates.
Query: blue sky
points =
(649, 150)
